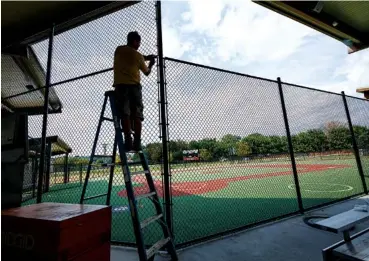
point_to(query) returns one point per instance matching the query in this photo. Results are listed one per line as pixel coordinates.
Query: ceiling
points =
(30, 21)
(346, 21)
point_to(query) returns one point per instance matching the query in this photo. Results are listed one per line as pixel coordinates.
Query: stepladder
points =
(145, 251)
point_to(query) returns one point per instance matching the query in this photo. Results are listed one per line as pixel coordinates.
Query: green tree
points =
(229, 141)
(278, 144)
(176, 149)
(194, 145)
(154, 152)
(205, 155)
(362, 136)
(242, 149)
(83, 161)
(338, 136)
(259, 143)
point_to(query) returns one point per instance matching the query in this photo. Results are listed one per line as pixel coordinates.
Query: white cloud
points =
(173, 44)
(203, 15)
(247, 31)
(186, 16)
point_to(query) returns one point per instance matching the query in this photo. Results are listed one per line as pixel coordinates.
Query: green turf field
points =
(213, 198)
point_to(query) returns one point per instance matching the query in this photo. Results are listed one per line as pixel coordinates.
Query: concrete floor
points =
(288, 240)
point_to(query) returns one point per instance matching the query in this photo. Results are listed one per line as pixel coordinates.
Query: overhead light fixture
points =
(335, 23)
(318, 7)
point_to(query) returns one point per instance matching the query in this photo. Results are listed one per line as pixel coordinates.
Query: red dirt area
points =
(202, 187)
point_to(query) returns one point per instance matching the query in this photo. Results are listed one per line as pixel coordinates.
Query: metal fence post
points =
(354, 144)
(163, 117)
(290, 147)
(44, 120)
(48, 163)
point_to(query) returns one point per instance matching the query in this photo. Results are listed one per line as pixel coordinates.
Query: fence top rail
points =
(183, 62)
(218, 69)
(310, 88)
(361, 99)
(59, 83)
(256, 77)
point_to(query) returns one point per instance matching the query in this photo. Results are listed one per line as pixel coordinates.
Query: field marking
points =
(348, 188)
(201, 187)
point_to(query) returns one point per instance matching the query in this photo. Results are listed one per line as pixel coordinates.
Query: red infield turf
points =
(201, 187)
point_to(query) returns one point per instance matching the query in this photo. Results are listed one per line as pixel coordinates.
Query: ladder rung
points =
(97, 196)
(135, 163)
(108, 164)
(107, 119)
(140, 172)
(150, 220)
(138, 197)
(156, 247)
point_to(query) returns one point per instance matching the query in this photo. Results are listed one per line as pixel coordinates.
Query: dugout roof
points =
(58, 146)
(345, 21)
(27, 22)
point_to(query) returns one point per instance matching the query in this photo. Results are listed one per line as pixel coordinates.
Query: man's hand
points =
(152, 62)
(149, 57)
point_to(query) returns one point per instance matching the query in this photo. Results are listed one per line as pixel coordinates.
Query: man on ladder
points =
(128, 63)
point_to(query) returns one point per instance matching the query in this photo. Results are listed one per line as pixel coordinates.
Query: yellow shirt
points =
(127, 65)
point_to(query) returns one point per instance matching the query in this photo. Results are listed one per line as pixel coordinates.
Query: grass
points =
(252, 192)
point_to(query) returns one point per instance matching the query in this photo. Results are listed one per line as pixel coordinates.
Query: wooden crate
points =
(54, 231)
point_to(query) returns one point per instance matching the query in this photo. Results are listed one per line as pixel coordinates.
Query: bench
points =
(343, 222)
(355, 247)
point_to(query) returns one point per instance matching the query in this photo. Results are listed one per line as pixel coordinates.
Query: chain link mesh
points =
(229, 161)
(83, 50)
(239, 170)
(359, 112)
(322, 145)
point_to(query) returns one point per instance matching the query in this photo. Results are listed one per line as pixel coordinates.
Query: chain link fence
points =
(231, 165)
(224, 173)
(322, 144)
(359, 112)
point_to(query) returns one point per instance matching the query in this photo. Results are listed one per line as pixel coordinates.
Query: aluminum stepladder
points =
(165, 243)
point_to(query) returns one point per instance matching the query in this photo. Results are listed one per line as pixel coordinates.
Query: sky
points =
(239, 36)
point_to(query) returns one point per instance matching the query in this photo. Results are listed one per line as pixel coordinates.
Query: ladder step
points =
(156, 247)
(150, 220)
(97, 196)
(140, 172)
(107, 119)
(138, 197)
(135, 163)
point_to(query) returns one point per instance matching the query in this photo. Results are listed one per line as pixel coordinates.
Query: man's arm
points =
(151, 64)
(147, 70)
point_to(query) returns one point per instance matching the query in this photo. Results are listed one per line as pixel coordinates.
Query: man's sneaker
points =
(137, 145)
(128, 144)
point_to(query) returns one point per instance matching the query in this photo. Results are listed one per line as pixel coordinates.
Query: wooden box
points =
(54, 231)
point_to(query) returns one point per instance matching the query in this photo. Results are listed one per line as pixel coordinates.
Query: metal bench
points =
(355, 247)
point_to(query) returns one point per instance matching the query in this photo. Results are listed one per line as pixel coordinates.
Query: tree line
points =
(332, 137)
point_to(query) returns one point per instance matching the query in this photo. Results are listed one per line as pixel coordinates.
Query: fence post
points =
(44, 119)
(168, 214)
(80, 173)
(354, 144)
(66, 161)
(290, 147)
(48, 166)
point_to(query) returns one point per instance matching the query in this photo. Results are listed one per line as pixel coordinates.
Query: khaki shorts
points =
(128, 98)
